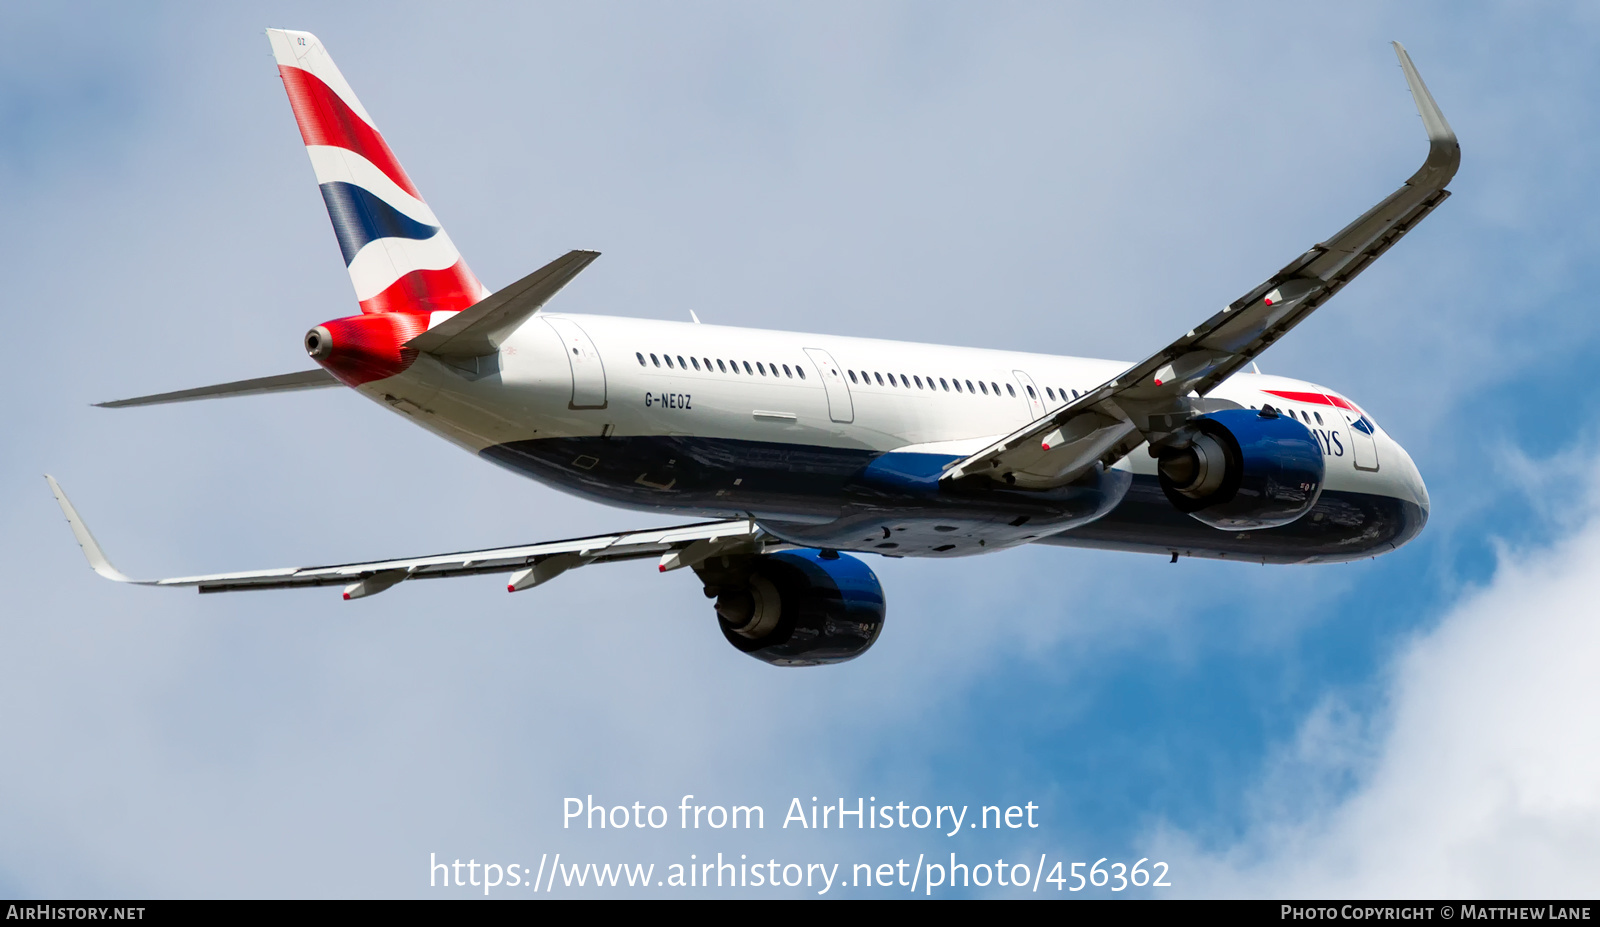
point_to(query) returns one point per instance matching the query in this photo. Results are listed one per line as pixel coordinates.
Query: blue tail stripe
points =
(360, 217)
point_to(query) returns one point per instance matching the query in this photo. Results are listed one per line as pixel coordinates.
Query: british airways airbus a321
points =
(803, 447)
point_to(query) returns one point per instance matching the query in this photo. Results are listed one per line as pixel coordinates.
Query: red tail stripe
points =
(1316, 398)
(448, 290)
(324, 119)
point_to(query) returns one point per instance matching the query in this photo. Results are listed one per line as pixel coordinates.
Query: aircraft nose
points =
(1412, 479)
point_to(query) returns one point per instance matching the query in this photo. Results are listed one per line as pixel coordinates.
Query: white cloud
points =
(1479, 776)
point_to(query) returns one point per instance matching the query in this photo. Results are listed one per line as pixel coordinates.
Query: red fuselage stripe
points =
(1314, 398)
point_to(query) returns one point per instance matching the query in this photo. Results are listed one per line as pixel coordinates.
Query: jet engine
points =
(1240, 469)
(796, 608)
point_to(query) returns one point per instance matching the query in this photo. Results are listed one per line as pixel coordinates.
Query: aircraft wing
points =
(1154, 397)
(528, 565)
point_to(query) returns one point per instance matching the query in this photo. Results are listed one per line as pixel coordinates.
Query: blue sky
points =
(1026, 176)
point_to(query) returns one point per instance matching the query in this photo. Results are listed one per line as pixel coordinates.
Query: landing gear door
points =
(840, 408)
(588, 374)
(1030, 393)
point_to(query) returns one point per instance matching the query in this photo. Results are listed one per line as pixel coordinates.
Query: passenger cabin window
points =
(748, 370)
(919, 381)
(1051, 393)
(696, 362)
(786, 372)
(681, 363)
(669, 360)
(1010, 392)
(721, 366)
(852, 376)
(641, 358)
(880, 379)
(655, 360)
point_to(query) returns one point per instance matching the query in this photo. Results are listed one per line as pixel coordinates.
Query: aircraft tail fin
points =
(397, 253)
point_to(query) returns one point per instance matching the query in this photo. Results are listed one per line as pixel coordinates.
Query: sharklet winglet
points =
(91, 547)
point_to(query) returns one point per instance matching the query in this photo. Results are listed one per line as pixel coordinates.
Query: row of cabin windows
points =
(933, 383)
(988, 389)
(1302, 416)
(731, 366)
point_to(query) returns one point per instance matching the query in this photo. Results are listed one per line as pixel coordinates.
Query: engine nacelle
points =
(796, 608)
(1244, 469)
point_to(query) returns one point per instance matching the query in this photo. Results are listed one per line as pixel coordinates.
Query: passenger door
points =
(840, 407)
(1363, 444)
(1031, 394)
(588, 373)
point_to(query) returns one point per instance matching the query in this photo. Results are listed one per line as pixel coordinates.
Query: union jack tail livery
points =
(398, 255)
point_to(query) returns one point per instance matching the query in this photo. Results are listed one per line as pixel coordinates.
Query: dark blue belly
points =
(835, 497)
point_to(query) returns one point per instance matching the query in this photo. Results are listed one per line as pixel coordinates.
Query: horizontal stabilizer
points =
(480, 329)
(282, 383)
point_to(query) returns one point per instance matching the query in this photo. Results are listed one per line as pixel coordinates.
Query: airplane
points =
(803, 449)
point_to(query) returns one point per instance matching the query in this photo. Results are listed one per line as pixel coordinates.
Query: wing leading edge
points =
(1153, 398)
(528, 565)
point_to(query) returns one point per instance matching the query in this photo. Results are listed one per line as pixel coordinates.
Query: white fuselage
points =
(566, 388)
